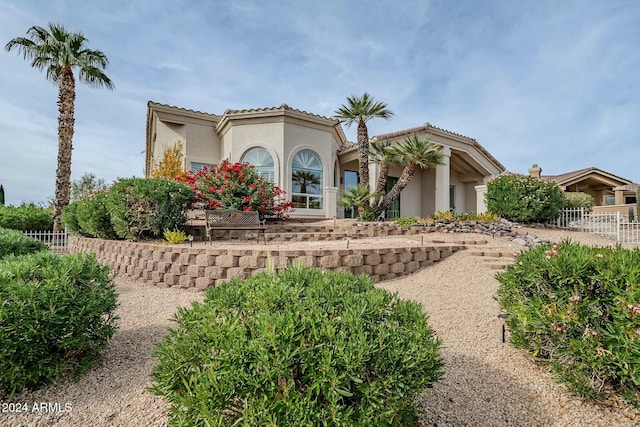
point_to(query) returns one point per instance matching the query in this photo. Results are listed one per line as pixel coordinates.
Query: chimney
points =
(535, 171)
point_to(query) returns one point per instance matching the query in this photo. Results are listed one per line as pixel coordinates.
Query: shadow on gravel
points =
(473, 393)
(121, 374)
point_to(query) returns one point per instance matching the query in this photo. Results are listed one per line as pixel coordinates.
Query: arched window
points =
(261, 159)
(306, 180)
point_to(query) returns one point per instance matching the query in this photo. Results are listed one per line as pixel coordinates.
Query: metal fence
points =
(612, 225)
(57, 241)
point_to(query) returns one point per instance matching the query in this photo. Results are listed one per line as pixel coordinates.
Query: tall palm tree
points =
(414, 152)
(357, 196)
(58, 52)
(360, 110)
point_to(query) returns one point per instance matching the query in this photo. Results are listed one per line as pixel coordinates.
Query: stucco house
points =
(606, 188)
(309, 157)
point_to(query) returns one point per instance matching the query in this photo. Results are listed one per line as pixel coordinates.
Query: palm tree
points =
(357, 196)
(360, 111)
(58, 52)
(414, 152)
(382, 152)
(304, 179)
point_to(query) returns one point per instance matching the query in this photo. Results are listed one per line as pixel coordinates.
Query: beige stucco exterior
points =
(284, 132)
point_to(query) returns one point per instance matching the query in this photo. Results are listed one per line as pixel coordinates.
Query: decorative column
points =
(481, 202)
(443, 182)
(330, 202)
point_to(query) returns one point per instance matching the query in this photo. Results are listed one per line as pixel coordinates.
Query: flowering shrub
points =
(577, 309)
(579, 200)
(236, 186)
(525, 199)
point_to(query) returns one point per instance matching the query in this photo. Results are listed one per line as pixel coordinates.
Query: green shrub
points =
(144, 207)
(70, 217)
(579, 200)
(175, 237)
(26, 217)
(577, 309)
(56, 316)
(404, 222)
(93, 217)
(301, 348)
(524, 199)
(13, 242)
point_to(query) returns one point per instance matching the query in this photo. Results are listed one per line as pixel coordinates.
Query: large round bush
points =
(56, 316)
(144, 207)
(524, 199)
(301, 348)
(93, 217)
(577, 309)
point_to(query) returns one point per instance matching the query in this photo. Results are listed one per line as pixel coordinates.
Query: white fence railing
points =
(612, 225)
(57, 241)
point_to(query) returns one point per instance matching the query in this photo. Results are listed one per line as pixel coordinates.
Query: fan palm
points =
(414, 152)
(360, 110)
(57, 52)
(358, 196)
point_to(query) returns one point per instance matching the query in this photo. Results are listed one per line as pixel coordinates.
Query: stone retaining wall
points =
(205, 267)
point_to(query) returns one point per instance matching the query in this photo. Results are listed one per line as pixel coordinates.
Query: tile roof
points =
(279, 108)
(568, 176)
(173, 107)
(427, 127)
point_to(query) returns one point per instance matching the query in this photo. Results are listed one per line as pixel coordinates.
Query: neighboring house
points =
(606, 188)
(307, 155)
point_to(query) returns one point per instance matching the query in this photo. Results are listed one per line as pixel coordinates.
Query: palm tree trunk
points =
(66, 105)
(382, 179)
(363, 152)
(403, 181)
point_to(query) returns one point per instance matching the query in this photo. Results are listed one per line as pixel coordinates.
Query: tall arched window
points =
(306, 180)
(261, 159)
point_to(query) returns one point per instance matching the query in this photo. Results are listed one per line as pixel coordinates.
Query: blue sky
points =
(548, 82)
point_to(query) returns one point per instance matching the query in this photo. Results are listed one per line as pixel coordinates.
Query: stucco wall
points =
(203, 144)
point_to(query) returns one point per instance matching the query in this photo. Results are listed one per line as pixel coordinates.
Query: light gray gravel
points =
(486, 383)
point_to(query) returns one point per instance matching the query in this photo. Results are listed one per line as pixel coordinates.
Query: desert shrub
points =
(26, 217)
(175, 237)
(577, 309)
(524, 199)
(13, 242)
(57, 314)
(144, 207)
(93, 217)
(579, 200)
(404, 222)
(171, 165)
(300, 348)
(237, 186)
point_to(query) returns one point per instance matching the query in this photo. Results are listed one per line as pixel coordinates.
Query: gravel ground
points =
(486, 383)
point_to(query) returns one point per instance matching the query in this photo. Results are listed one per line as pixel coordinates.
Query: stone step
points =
(493, 254)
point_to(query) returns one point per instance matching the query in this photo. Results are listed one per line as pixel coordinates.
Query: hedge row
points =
(132, 209)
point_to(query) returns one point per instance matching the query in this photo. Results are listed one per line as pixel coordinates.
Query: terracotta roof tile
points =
(429, 127)
(568, 176)
(157, 104)
(281, 107)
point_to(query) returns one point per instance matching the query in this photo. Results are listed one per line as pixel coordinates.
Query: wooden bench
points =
(233, 220)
